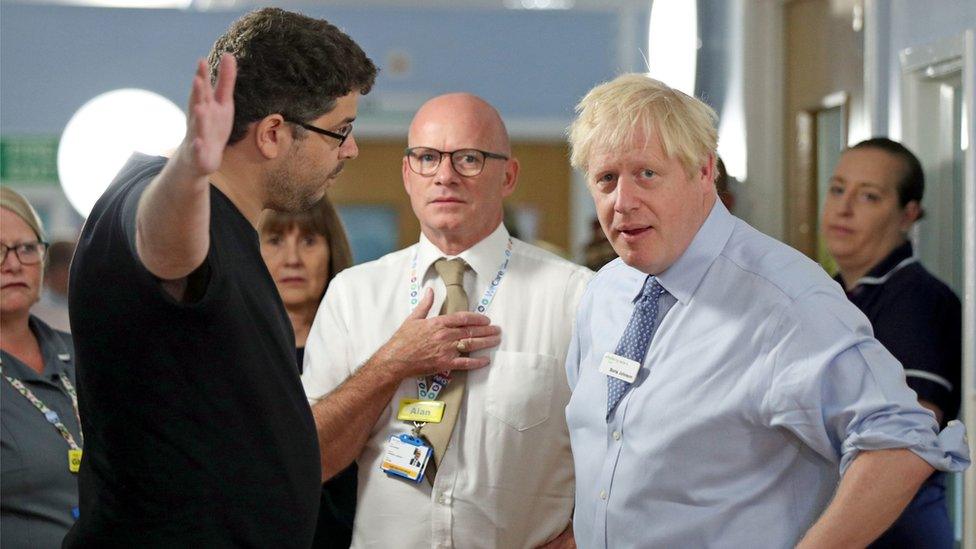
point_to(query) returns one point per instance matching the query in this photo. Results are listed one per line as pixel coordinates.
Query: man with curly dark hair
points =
(197, 429)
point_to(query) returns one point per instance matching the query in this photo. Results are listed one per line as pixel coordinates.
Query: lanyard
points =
(50, 415)
(440, 380)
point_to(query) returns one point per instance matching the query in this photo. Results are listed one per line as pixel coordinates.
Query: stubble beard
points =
(289, 191)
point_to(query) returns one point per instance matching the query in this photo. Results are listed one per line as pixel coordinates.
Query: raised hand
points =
(173, 219)
(210, 117)
(423, 346)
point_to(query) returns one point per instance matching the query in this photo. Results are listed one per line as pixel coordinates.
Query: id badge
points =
(74, 460)
(406, 456)
(619, 367)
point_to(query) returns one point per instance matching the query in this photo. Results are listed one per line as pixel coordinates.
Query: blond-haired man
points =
(724, 389)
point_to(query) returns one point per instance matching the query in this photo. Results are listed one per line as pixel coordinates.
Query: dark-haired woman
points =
(304, 251)
(873, 200)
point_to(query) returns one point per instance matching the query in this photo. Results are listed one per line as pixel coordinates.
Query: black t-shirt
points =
(919, 320)
(197, 430)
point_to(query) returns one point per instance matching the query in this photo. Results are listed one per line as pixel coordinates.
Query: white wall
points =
(904, 24)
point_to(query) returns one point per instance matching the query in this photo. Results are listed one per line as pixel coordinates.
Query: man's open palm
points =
(210, 116)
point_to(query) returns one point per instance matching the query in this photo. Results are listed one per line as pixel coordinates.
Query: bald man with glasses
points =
(478, 391)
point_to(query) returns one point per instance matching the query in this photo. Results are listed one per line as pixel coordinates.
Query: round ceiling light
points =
(104, 133)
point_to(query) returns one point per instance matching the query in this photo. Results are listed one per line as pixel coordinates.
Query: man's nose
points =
(445, 172)
(625, 198)
(349, 148)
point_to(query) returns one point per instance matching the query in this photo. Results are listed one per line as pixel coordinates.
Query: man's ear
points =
(511, 177)
(405, 173)
(272, 135)
(706, 173)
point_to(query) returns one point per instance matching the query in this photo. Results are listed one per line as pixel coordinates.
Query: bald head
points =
(457, 211)
(462, 118)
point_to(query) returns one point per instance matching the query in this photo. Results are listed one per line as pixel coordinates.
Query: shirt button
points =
(603, 494)
(616, 435)
(441, 499)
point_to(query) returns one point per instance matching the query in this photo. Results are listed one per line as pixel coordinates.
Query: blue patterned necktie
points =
(637, 337)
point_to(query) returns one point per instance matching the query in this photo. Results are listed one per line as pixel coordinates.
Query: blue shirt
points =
(761, 385)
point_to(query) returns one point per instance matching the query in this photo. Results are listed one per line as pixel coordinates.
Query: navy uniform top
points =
(39, 492)
(919, 320)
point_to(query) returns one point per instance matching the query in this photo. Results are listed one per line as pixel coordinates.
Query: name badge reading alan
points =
(619, 367)
(427, 411)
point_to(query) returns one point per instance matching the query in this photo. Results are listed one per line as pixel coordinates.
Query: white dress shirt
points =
(506, 478)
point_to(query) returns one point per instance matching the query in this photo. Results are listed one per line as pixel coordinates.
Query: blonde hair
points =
(17, 204)
(615, 113)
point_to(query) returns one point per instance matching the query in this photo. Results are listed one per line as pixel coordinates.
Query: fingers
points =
(469, 363)
(202, 70)
(464, 318)
(473, 332)
(200, 86)
(480, 343)
(423, 306)
(226, 77)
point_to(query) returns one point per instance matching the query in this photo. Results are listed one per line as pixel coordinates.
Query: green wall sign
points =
(29, 160)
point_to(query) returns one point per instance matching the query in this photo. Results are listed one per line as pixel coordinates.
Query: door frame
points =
(957, 53)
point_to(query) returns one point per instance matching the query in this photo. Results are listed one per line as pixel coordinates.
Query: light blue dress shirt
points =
(760, 387)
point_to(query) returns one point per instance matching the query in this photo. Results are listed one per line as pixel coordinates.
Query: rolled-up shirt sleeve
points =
(841, 392)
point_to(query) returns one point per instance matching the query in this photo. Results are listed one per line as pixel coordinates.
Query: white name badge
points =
(406, 457)
(619, 367)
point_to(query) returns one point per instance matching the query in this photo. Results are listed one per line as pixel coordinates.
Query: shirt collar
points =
(899, 254)
(631, 279)
(483, 258)
(682, 278)
(54, 353)
(879, 274)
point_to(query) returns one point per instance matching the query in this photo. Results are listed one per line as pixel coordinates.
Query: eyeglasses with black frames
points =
(467, 162)
(28, 253)
(343, 133)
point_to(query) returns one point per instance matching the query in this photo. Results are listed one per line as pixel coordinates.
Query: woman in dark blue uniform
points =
(873, 199)
(40, 444)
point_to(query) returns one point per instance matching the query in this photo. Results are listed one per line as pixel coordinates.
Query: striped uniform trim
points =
(882, 279)
(922, 374)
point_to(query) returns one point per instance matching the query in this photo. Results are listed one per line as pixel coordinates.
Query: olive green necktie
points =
(451, 272)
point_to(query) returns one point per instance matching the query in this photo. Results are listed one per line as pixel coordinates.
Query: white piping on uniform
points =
(922, 374)
(882, 279)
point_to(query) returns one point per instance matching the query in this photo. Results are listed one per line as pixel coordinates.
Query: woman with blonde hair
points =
(41, 440)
